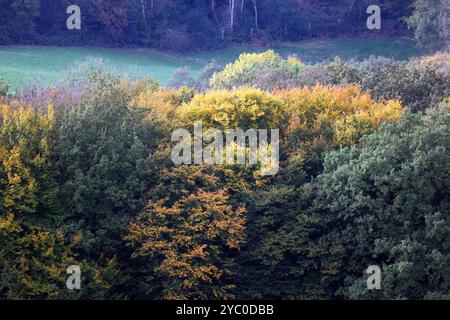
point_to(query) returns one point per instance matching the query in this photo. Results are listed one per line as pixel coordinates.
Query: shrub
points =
(418, 84)
(79, 83)
(183, 77)
(205, 74)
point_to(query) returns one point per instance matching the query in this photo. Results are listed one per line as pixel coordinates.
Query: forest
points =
(180, 25)
(88, 181)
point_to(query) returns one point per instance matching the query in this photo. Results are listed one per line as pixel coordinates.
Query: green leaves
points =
(361, 183)
(387, 198)
(429, 21)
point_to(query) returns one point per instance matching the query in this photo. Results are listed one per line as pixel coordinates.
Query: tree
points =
(287, 246)
(185, 241)
(324, 117)
(250, 66)
(27, 175)
(419, 84)
(386, 203)
(102, 153)
(112, 15)
(34, 253)
(430, 21)
(18, 20)
(243, 108)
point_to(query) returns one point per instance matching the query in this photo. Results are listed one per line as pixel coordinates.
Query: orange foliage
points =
(191, 241)
(343, 114)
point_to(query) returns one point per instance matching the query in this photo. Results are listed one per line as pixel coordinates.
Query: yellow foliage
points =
(343, 114)
(244, 108)
(346, 112)
(9, 225)
(39, 261)
(160, 105)
(191, 239)
(243, 70)
(24, 151)
(439, 61)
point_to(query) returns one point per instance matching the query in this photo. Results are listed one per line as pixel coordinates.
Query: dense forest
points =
(88, 180)
(203, 24)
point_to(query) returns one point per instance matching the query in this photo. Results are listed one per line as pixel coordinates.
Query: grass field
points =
(22, 65)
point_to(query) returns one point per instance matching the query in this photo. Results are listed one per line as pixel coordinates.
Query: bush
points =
(205, 74)
(160, 106)
(418, 84)
(181, 77)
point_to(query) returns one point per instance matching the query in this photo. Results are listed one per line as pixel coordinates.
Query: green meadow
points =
(22, 65)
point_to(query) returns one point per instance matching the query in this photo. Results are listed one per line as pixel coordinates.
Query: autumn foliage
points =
(193, 241)
(363, 180)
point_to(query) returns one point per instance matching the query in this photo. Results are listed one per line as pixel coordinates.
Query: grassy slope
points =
(21, 65)
(320, 50)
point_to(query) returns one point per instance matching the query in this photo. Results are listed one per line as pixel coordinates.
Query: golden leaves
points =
(347, 112)
(191, 239)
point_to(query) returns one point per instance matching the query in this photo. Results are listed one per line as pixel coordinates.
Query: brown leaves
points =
(192, 241)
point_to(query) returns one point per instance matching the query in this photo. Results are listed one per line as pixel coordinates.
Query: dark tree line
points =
(191, 24)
